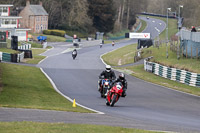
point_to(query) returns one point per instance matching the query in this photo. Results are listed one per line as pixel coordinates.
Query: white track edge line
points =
(53, 84)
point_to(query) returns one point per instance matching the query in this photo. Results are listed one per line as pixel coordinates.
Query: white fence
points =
(20, 57)
(25, 47)
(188, 35)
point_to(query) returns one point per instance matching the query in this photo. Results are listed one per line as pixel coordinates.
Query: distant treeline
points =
(89, 16)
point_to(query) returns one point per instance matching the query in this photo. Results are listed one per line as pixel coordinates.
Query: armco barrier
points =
(182, 76)
(7, 57)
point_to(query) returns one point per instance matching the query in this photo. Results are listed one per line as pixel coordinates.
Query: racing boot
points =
(99, 87)
(124, 93)
(107, 93)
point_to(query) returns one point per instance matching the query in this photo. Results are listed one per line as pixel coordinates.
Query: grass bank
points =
(27, 87)
(139, 72)
(121, 56)
(144, 25)
(36, 56)
(50, 38)
(33, 127)
(172, 26)
(159, 55)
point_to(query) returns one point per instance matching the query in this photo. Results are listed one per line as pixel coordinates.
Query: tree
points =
(102, 13)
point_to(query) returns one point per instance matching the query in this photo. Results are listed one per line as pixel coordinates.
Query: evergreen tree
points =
(102, 13)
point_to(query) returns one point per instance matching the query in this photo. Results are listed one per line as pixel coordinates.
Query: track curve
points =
(146, 104)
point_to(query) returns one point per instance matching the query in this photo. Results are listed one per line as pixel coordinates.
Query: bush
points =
(55, 32)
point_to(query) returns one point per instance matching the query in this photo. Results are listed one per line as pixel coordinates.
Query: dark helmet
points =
(121, 76)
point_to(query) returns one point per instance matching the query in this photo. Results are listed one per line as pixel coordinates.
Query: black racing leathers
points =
(124, 83)
(107, 75)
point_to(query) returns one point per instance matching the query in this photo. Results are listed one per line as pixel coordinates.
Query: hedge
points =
(55, 32)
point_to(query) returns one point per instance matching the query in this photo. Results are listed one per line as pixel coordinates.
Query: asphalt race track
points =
(146, 106)
(145, 102)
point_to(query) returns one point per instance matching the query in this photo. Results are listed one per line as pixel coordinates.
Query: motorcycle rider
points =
(106, 74)
(74, 53)
(122, 79)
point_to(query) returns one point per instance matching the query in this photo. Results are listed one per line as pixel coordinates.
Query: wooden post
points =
(186, 52)
(197, 53)
(182, 51)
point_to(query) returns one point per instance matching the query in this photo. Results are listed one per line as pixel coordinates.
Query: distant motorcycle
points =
(100, 45)
(105, 85)
(114, 94)
(74, 54)
(113, 43)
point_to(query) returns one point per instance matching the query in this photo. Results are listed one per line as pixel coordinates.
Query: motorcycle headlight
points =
(106, 83)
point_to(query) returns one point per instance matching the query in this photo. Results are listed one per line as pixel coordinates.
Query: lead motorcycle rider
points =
(106, 74)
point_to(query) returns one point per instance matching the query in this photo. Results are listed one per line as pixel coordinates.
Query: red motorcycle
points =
(114, 94)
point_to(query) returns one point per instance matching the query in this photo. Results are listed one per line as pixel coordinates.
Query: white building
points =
(10, 24)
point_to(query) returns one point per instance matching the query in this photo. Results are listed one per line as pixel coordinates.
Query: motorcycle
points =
(74, 54)
(101, 45)
(113, 44)
(105, 85)
(114, 94)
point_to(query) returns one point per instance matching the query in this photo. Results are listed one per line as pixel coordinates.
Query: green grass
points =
(139, 72)
(51, 38)
(38, 127)
(127, 53)
(172, 27)
(27, 87)
(36, 57)
(5, 50)
(144, 25)
(35, 45)
(118, 34)
(123, 55)
(159, 55)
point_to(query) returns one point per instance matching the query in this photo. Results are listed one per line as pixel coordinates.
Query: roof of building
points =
(38, 10)
(5, 5)
(10, 17)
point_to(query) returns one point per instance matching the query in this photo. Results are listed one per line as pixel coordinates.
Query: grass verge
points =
(50, 38)
(172, 26)
(139, 72)
(35, 127)
(36, 56)
(121, 56)
(159, 55)
(144, 25)
(9, 51)
(27, 87)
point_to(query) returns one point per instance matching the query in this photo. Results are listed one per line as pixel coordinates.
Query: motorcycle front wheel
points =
(113, 100)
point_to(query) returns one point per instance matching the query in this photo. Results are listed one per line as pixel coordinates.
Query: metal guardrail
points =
(7, 57)
(182, 76)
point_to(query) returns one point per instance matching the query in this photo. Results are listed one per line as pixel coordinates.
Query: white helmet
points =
(108, 68)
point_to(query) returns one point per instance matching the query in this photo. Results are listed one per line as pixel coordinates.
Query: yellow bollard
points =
(74, 103)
